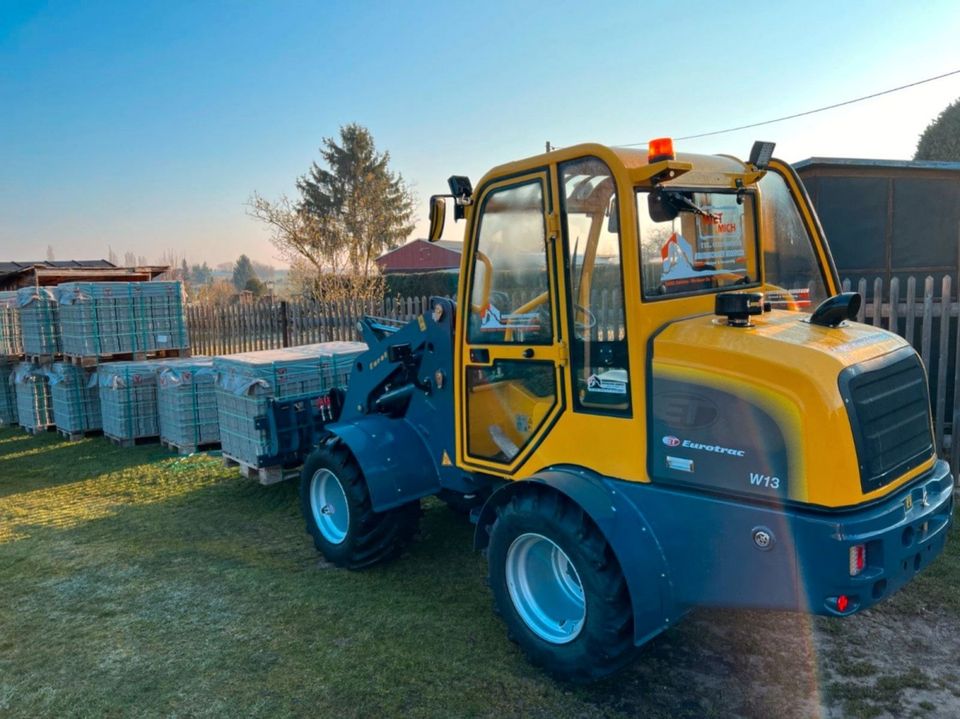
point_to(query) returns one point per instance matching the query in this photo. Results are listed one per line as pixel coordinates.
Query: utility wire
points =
(808, 112)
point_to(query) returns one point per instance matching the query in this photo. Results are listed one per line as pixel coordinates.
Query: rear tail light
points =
(858, 559)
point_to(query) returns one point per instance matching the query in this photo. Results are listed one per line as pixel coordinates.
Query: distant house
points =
(422, 256)
(45, 273)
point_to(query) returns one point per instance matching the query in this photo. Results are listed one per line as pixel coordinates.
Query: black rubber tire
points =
(371, 536)
(605, 643)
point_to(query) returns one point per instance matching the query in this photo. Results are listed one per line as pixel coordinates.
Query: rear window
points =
(709, 245)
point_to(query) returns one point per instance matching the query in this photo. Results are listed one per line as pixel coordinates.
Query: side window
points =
(790, 265)
(595, 277)
(510, 295)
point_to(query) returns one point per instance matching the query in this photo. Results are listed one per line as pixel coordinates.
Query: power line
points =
(808, 112)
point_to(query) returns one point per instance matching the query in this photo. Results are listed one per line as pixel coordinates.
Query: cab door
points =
(510, 390)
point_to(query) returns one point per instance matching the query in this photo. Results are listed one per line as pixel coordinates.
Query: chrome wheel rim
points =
(328, 502)
(545, 588)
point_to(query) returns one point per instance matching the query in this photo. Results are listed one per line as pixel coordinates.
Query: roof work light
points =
(660, 149)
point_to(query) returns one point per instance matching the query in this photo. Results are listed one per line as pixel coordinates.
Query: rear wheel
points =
(339, 515)
(559, 588)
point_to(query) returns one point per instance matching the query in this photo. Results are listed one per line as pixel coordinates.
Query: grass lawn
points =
(137, 583)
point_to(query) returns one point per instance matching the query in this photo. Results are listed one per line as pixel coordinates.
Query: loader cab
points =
(573, 260)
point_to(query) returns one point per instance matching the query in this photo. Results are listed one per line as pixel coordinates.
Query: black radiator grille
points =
(889, 407)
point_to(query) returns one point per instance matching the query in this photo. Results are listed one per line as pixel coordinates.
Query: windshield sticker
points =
(788, 299)
(612, 382)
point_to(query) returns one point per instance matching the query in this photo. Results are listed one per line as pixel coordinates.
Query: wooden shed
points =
(46, 273)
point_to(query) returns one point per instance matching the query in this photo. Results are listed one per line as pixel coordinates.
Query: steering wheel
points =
(588, 315)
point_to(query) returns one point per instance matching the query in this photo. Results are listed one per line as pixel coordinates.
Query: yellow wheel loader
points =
(650, 395)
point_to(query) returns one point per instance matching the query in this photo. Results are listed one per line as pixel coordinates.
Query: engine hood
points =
(759, 411)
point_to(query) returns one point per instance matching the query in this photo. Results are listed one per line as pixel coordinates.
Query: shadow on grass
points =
(44, 464)
(213, 600)
(199, 593)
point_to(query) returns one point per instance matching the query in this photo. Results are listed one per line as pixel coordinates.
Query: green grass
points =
(136, 583)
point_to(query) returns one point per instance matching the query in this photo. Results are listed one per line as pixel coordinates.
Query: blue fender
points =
(624, 527)
(393, 458)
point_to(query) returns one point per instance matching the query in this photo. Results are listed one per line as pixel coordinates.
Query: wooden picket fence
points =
(925, 313)
(246, 327)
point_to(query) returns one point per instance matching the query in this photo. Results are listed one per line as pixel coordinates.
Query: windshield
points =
(793, 275)
(693, 242)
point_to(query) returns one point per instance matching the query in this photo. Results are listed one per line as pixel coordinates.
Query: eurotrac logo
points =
(672, 441)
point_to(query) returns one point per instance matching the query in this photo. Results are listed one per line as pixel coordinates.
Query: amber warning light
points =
(660, 149)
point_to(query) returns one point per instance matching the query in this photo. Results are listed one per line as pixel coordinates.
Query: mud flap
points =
(393, 457)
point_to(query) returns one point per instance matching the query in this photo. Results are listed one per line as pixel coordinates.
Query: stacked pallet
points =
(128, 400)
(187, 404)
(10, 343)
(76, 399)
(104, 319)
(39, 322)
(8, 397)
(34, 403)
(247, 382)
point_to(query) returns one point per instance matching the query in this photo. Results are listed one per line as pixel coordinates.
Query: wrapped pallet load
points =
(187, 404)
(76, 399)
(10, 343)
(39, 321)
(8, 397)
(101, 319)
(128, 400)
(34, 403)
(247, 382)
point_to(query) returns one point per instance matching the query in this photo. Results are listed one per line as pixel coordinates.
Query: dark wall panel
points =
(926, 223)
(853, 211)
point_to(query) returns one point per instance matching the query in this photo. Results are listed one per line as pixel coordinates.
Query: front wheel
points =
(559, 588)
(339, 515)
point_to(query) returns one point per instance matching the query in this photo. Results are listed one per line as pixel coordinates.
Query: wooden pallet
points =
(135, 442)
(264, 475)
(76, 436)
(94, 360)
(39, 430)
(43, 359)
(188, 449)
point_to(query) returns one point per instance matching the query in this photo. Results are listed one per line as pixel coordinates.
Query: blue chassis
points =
(677, 548)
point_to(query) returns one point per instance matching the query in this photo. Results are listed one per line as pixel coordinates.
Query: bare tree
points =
(50, 256)
(321, 263)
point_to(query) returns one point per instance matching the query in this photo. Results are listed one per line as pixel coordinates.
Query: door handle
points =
(479, 356)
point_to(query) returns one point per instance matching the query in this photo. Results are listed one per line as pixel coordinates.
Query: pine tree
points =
(243, 272)
(362, 207)
(941, 139)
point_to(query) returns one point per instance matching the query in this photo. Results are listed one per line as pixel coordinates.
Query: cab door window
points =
(510, 294)
(601, 381)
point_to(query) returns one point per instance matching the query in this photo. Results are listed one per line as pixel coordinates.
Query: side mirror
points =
(438, 213)
(660, 210)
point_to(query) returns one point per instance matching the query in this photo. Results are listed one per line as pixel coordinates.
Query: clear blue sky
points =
(146, 125)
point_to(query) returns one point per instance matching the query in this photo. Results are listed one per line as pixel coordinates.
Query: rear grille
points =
(889, 407)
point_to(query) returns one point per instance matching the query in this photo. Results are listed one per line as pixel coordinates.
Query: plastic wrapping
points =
(99, 319)
(187, 403)
(34, 402)
(246, 382)
(8, 396)
(128, 399)
(76, 398)
(39, 320)
(11, 343)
